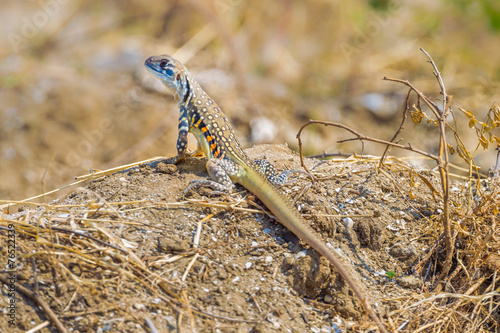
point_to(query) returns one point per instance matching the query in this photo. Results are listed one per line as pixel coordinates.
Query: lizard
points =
(228, 164)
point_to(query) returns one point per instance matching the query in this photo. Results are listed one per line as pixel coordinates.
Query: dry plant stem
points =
(190, 311)
(81, 234)
(151, 325)
(359, 137)
(325, 155)
(444, 170)
(429, 254)
(441, 159)
(401, 127)
(38, 300)
(92, 311)
(238, 320)
(455, 306)
(79, 180)
(497, 165)
(196, 240)
(423, 328)
(38, 327)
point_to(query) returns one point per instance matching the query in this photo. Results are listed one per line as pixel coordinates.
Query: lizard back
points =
(211, 126)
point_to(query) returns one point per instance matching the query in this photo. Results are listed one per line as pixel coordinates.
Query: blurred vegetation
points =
(75, 95)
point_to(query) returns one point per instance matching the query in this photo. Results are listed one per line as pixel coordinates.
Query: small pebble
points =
(348, 222)
(166, 168)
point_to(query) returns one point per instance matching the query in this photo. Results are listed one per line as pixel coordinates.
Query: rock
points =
(166, 168)
(172, 244)
(402, 252)
(409, 281)
(370, 234)
(348, 222)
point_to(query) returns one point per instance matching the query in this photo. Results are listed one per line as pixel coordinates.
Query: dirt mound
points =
(129, 253)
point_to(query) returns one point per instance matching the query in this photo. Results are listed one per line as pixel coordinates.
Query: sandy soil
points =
(250, 273)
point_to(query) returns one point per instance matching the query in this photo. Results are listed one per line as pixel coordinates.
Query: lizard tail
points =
(289, 216)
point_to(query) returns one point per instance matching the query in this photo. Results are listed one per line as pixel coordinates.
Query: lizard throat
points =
(187, 93)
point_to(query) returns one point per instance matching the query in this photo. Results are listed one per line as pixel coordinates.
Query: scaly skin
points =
(228, 164)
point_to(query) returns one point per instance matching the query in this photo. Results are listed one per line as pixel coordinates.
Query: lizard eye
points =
(163, 63)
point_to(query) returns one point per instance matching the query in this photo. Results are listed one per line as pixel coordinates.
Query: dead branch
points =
(442, 160)
(360, 137)
(401, 127)
(444, 171)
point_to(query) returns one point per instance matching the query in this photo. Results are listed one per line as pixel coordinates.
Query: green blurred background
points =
(75, 95)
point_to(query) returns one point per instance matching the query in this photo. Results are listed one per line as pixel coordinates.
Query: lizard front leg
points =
(182, 140)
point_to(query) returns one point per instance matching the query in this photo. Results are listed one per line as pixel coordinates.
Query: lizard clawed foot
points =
(175, 159)
(171, 160)
(197, 153)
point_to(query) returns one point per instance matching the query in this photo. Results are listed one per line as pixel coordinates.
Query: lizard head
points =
(171, 73)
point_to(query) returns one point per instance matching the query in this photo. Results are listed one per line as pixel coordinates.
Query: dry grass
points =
(77, 243)
(75, 247)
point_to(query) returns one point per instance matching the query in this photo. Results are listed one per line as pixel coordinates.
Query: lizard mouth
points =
(150, 66)
(153, 70)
